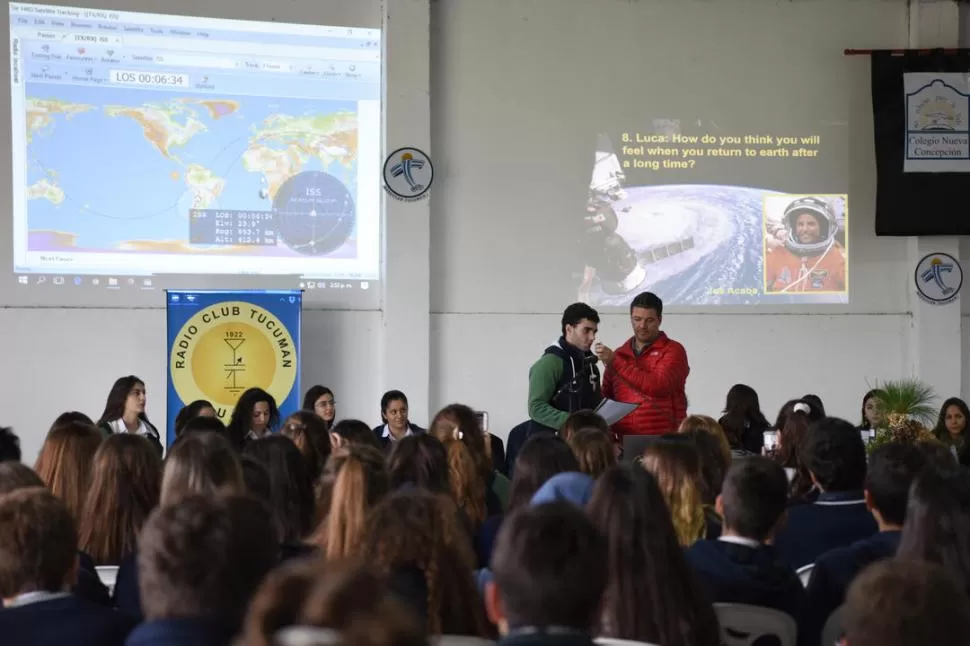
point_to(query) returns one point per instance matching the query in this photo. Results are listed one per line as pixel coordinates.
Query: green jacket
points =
(544, 376)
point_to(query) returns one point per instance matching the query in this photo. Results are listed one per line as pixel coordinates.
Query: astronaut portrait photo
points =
(805, 244)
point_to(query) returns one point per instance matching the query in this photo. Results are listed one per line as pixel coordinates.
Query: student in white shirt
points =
(394, 415)
(124, 411)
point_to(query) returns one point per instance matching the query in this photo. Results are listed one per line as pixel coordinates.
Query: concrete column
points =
(407, 234)
(936, 339)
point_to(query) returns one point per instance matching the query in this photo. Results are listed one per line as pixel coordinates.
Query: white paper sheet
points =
(613, 411)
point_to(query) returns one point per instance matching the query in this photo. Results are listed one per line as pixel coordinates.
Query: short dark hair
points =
(204, 557)
(550, 566)
(15, 475)
(9, 445)
(648, 301)
(38, 542)
(71, 417)
(754, 496)
(834, 453)
(576, 312)
(937, 454)
(190, 412)
(584, 418)
(200, 463)
(815, 402)
(420, 461)
(356, 432)
(905, 602)
(542, 456)
(392, 396)
(200, 424)
(892, 469)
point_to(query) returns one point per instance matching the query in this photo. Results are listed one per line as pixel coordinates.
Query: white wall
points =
(485, 59)
(525, 90)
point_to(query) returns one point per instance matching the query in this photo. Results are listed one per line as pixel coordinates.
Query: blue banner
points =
(221, 343)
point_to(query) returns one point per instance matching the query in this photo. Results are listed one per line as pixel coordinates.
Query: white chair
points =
(108, 575)
(609, 641)
(313, 636)
(306, 636)
(742, 625)
(832, 632)
(805, 574)
(459, 640)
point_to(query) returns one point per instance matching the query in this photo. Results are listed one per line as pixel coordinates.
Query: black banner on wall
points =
(921, 119)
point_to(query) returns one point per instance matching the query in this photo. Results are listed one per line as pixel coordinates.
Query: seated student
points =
(741, 566)
(905, 603)
(231, 539)
(543, 456)
(197, 463)
(38, 565)
(937, 527)
(15, 476)
(835, 457)
(550, 574)
(395, 423)
(892, 469)
(594, 451)
(311, 602)
(202, 424)
(198, 408)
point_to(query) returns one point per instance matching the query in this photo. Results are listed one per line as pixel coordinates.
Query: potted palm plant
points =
(908, 406)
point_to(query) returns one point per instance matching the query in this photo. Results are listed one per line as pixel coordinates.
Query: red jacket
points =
(655, 380)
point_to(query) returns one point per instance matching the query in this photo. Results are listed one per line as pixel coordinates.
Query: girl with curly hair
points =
(415, 539)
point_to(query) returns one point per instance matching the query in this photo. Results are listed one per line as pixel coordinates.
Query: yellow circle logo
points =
(229, 347)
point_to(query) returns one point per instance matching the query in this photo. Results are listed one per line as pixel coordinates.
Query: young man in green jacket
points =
(566, 379)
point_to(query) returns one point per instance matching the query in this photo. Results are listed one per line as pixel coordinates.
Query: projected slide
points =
(151, 145)
(674, 209)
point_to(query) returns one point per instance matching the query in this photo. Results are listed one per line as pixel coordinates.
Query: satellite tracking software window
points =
(146, 145)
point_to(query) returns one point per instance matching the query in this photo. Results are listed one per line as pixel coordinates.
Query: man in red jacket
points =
(649, 369)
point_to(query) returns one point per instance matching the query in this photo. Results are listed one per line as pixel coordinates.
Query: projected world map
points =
(122, 169)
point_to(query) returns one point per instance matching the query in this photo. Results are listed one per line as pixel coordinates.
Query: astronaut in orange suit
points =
(811, 259)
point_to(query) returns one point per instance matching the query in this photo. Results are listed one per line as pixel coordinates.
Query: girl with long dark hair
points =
(937, 527)
(291, 489)
(124, 411)
(320, 401)
(872, 410)
(743, 422)
(790, 439)
(254, 416)
(951, 425)
(652, 595)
